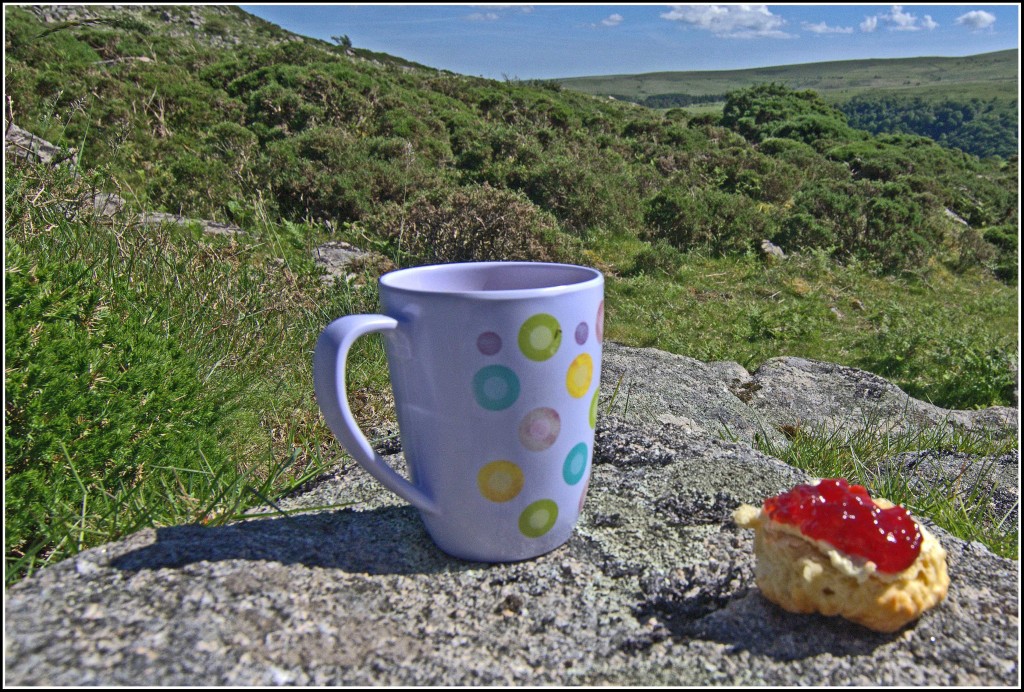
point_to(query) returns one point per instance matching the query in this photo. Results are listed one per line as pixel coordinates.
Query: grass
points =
(960, 506)
(947, 338)
(154, 376)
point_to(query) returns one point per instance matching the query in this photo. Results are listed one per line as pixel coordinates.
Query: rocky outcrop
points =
(343, 586)
(20, 144)
(656, 387)
(801, 392)
(341, 261)
(725, 400)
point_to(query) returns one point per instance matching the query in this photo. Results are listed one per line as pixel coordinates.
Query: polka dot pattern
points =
(488, 343)
(538, 518)
(545, 449)
(582, 332)
(575, 464)
(581, 372)
(495, 387)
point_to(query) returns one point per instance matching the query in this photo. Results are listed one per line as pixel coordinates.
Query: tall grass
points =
(947, 338)
(154, 376)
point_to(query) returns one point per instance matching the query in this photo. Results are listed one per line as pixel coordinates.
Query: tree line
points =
(982, 128)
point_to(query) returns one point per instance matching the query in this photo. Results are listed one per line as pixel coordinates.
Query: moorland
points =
(158, 375)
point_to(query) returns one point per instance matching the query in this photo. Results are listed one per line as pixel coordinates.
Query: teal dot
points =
(575, 464)
(495, 387)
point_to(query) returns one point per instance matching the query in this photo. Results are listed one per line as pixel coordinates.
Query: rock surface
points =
(22, 144)
(344, 262)
(655, 587)
(807, 393)
(661, 388)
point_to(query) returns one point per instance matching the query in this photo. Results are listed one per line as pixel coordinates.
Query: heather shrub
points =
(464, 224)
(722, 222)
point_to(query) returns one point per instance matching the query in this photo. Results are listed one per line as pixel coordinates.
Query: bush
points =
(722, 222)
(1006, 240)
(811, 129)
(659, 257)
(582, 195)
(467, 224)
(328, 173)
(760, 111)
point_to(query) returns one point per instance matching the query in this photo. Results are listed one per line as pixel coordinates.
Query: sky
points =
(551, 41)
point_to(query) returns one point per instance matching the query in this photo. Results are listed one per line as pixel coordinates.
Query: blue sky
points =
(547, 41)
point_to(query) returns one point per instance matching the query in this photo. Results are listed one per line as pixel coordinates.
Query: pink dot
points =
(489, 343)
(539, 429)
(599, 324)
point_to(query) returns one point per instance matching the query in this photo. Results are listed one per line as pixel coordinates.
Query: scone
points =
(830, 548)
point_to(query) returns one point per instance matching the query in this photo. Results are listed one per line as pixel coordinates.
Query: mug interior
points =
(496, 278)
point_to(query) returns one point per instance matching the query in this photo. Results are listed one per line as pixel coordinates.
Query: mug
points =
(495, 369)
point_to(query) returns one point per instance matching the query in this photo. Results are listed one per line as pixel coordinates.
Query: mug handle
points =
(329, 360)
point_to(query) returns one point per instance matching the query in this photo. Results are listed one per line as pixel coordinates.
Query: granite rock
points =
(339, 584)
(654, 588)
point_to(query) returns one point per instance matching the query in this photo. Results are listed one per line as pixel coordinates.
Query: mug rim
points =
(400, 280)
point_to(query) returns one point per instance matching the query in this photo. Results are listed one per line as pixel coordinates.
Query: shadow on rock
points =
(719, 602)
(752, 623)
(390, 540)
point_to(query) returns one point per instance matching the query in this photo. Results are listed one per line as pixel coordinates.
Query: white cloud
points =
(495, 12)
(976, 20)
(730, 21)
(898, 20)
(612, 20)
(823, 28)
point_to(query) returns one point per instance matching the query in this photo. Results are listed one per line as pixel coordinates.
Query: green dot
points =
(540, 336)
(537, 519)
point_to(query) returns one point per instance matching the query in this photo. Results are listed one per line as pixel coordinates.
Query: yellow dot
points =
(500, 481)
(581, 372)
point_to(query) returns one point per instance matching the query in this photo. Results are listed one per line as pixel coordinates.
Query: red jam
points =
(844, 516)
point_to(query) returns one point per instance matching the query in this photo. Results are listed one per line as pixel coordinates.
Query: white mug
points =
(495, 368)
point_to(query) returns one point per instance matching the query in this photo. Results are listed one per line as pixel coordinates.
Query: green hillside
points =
(985, 76)
(966, 102)
(156, 375)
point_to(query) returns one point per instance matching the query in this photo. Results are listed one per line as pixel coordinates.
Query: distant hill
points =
(985, 76)
(969, 103)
